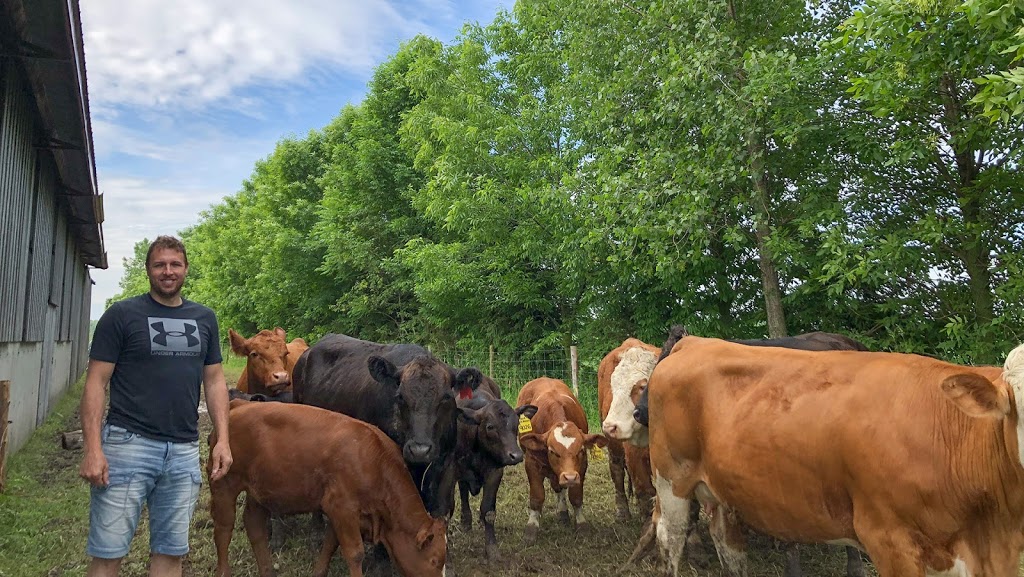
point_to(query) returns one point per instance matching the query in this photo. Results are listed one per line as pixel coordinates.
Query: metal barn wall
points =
(45, 287)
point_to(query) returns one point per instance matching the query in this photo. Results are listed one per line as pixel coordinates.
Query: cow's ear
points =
(527, 410)
(468, 377)
(977, 396)
(469, 416)
(533, 442)
(590, 440)
(280, 332)
(238, 345)
(425, 535)
(383, 371)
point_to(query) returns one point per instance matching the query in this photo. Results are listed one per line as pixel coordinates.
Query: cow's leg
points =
(793, 560)
(323, 562)
(561, 506)
(466, 512)
(854, 563)
(256, 518)
(730, 543)
(488, 511)
(576, 500)
(346, 531)
(536, 481)
(277, 531)
(672, 519)
(644, 545)
(617, 469)
(223, 500)
(894, 551)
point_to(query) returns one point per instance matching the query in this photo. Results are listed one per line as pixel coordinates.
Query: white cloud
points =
(155, 53)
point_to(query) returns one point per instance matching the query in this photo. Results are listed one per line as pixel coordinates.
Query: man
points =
(154, 350)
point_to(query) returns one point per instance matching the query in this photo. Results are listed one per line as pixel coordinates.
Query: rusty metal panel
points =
(40, 248)
(17, 176)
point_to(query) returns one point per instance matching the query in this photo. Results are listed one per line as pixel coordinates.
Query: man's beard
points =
(156, 288)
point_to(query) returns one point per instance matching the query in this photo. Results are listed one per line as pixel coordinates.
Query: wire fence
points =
(513, 369)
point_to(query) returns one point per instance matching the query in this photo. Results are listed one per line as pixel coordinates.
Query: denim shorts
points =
(163, 475)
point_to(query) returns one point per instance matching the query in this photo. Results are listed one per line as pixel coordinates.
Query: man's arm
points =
(216, 390)
(94, 463)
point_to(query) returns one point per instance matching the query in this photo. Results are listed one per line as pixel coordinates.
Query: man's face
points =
(166, 271)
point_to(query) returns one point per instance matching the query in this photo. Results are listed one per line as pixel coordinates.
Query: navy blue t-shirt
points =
(159, 353)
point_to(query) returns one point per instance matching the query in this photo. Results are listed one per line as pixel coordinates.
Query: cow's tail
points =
(674, 334)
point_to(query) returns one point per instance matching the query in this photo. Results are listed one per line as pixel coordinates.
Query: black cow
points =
(284, 397)
(400, 388)
(488, 442)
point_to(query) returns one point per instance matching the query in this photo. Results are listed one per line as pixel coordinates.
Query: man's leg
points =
(164, 565)
(103, 567)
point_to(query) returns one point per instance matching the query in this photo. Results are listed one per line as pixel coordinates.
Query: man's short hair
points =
(166, 241)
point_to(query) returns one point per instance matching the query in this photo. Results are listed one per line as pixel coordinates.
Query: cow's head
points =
(564, 447)
(424, 390)
(496, 428)
(423, 554)
(628, 382)
(266, 356)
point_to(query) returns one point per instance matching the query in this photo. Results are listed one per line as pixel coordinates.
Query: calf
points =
(269, 361)
(556, 449)
(617, 391)
(346, 468)
(488, 428)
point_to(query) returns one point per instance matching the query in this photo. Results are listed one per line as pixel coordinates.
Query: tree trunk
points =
(766, 262)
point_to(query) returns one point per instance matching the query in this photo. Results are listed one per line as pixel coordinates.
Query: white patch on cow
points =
(635, 365)
(735, 560)
(561, 505)
(534, 518)
(580, 519)
(846, 543)
(562, 438)
(959, 569)
(671, 529)
(1013, 374)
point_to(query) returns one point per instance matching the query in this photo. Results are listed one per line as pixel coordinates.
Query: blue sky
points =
(186, 96)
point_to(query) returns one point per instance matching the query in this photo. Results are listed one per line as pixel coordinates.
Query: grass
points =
(44, 522)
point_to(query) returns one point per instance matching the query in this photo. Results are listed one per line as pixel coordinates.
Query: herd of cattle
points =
(809, 439)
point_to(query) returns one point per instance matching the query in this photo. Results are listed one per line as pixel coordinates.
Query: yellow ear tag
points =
(525, 426)
(597, 453)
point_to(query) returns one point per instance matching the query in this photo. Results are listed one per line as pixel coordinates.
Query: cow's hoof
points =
(563, 516)
(583, 527)
(466, 526)
(622, 513)
(492, 554)
(530, 534)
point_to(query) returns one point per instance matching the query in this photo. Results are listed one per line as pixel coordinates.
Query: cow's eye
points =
(490, 428)
(254, 354)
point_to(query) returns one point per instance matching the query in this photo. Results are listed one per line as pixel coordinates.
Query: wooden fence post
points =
(5, 405)
(575, 370)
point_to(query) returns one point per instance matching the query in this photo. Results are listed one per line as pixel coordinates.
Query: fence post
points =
(490, 363)
(5, 403)
(575, 370)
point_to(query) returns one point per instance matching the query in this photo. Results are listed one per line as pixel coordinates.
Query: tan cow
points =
(269, 361)
(619, 384)
(556, 449)
(914, 460)
(348, 469)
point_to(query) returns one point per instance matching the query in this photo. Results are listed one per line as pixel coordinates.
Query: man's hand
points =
(220, 461)
(95, 470)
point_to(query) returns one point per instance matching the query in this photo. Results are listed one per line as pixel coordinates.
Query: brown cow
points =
(915, 460)
(623, 457)
(348, 469)
(556, 449)
(269, 361)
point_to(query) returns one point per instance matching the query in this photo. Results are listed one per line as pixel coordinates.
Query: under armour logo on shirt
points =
(174, 335)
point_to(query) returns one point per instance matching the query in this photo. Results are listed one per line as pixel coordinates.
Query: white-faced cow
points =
(556, 449)
(269, 361)
(400, 388)
(915, 460)
(621, 377)
(488, 442)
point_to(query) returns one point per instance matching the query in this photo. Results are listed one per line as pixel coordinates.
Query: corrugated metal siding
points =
(16, 180)
(68, 296)
(41, 249)
(58, 248)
